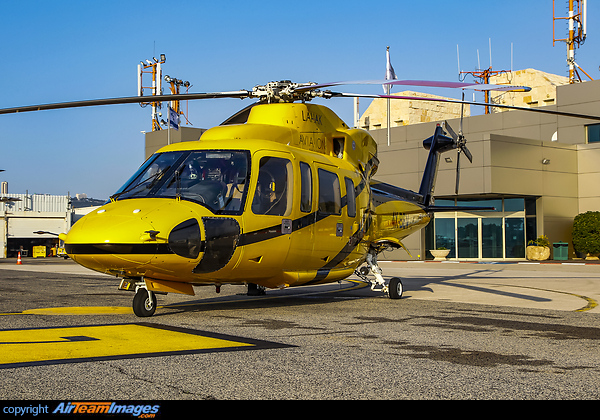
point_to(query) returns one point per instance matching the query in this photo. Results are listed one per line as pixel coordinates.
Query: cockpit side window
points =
(274, 187)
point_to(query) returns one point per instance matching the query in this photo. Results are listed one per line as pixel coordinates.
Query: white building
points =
(23, 214)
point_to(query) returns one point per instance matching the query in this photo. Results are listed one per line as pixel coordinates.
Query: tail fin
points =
(437, 144)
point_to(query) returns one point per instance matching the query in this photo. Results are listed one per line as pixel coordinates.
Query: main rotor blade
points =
(421, 83)
(126, 100)
(458, 101)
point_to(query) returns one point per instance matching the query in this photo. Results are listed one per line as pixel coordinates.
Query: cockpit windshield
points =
(216, 178)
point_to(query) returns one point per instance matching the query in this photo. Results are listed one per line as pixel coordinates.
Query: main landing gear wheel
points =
(144, 303)
(256, 290)
(395, 288)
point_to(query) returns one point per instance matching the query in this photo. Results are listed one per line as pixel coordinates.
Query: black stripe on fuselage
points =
(302, 222)
(275, 230)
(353, 241)
(112, 248)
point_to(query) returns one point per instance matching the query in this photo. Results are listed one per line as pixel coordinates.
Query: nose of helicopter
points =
(125, 238)
(118, 237)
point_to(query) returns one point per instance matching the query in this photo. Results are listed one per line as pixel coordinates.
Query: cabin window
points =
(330, 197)
(305, 188)
(274, 187)
(350, 197)
(338, 148)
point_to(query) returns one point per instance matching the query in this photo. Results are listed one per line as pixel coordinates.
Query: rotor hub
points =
(285, 91)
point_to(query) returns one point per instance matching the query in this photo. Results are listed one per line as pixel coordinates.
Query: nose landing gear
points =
(144, 302)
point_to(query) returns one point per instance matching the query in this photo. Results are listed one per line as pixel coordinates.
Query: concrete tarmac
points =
(568, 286)
(461, 331)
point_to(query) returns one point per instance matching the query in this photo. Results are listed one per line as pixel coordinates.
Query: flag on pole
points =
(390, 74)
(173, 118)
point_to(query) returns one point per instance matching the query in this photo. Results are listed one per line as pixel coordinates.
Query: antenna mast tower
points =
(482, 75)
(154, 67)
(156, 88)
(577, 33)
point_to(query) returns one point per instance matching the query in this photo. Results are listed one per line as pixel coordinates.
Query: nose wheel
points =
(144, 302)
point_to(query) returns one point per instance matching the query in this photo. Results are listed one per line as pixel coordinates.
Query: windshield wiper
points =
(156, 176)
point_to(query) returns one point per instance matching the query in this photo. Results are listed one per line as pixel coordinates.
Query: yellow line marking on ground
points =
(591, 303)
(24, 347)
(80, 310)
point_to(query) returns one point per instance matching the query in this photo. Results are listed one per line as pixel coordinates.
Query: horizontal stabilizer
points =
(436, 209)
(392, 191)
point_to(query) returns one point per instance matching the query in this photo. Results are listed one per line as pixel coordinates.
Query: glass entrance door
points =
(491, 238)
(501, 233)
(445, 233)
(515, 237)
(468, 237)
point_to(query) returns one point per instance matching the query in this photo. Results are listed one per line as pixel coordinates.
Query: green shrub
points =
(541, 240)
(586, 232)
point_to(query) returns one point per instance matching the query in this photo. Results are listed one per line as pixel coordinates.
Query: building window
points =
(593, 133)
(514, 204)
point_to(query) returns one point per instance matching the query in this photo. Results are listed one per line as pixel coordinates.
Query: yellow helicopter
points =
(280, 195)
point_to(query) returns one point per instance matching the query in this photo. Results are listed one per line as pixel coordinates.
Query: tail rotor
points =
(460, 143)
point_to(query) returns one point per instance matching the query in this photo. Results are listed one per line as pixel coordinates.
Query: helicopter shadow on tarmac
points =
(308, 295)
(350, 289)
(427, 283)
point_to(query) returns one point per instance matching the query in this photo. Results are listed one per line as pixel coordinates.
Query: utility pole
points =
(577, 33)
(155, 69)
(175, 85)
(482, 75)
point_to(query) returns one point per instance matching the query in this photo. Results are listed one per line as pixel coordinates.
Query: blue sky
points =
(56, 51)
